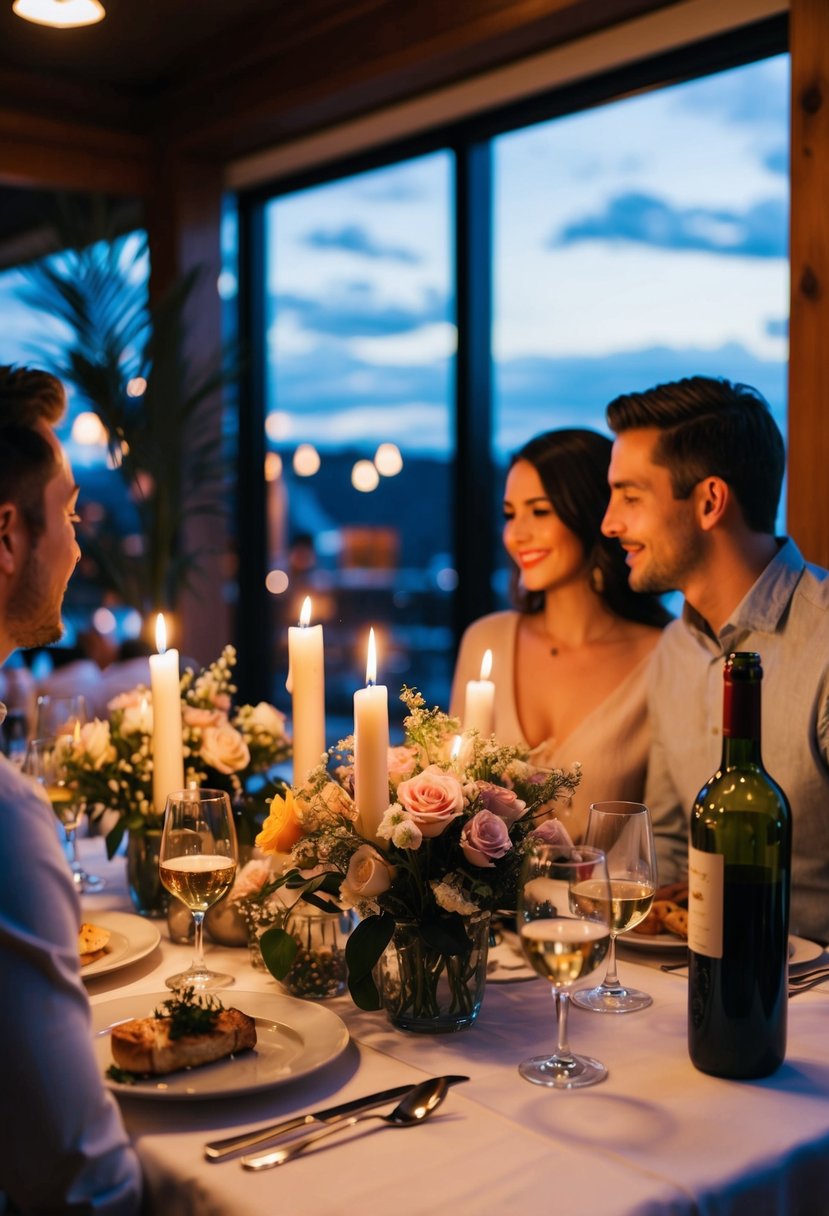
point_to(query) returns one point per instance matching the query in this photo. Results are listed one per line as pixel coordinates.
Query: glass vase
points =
(428, 992)
(319, 969)
(149, 897)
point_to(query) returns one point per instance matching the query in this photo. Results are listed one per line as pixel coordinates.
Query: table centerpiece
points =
(446, 854)
(226, 747)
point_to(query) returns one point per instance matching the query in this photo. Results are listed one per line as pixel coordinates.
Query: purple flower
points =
(484, 838)
(551, 832)
(502, 802)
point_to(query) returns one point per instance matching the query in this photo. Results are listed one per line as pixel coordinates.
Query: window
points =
(360, 343)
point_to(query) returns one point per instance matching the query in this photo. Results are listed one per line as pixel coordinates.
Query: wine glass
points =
(58, 716)
(197, 864)
(623, 831)
(564, 926)
(45, 762)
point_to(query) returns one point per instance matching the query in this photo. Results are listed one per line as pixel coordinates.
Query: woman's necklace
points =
(557, 646)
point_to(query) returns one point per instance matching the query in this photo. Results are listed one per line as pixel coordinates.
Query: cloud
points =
(777, 327)
(777, 161)
(353, 239)
(358, 312)
(759, 231)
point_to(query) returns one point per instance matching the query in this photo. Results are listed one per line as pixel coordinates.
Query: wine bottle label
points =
(706, 874)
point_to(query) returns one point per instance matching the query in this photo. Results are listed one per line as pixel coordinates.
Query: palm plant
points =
(171, 462)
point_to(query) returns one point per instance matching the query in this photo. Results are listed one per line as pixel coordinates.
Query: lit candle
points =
(168, 756)
(306, 684)
(479, 707)
(371, 747)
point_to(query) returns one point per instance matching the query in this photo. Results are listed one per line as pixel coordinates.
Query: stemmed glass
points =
(45, 762)
(59, 716)
(623, 831)
(197, 864)
(564, 925)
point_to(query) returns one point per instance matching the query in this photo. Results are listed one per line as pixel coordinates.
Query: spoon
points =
(417, 1105)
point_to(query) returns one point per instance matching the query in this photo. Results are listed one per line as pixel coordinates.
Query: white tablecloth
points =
(657, 1138)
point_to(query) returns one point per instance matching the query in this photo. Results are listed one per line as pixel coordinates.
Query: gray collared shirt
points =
(785, 618)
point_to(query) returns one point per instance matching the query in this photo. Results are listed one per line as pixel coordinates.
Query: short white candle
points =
(168, 754)
(371, 748)
(479, 706)
(306, 684)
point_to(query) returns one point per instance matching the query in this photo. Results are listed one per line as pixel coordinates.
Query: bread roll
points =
(92, 942)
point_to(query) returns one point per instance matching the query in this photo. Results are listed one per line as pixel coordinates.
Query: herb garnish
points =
(190, 1014)
(121, 1075)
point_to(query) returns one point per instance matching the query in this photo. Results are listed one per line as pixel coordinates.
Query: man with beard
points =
(695, 476)
(63, 1146)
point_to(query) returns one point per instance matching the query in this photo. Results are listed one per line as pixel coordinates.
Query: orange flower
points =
(281, 830)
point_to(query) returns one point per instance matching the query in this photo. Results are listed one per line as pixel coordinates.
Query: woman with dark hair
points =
(570, 665)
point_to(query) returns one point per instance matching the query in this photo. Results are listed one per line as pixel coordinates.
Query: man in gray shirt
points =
(63, 1147)
(695, 478)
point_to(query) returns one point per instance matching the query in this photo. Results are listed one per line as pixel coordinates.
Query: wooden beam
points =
(55, 154)
(808, 482)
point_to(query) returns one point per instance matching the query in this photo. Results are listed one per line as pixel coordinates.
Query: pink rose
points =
(200, 719)
(484, 838)
(502, 802)
(402, 762)
(224, 749)
(369, 875)
(125, 700)
(433, 798)
(551, 832)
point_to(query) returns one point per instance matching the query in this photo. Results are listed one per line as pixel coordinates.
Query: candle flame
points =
(486, 665)
(456, 748)
(160, 633)
(371, 664)
(305, 612)
(76, 733)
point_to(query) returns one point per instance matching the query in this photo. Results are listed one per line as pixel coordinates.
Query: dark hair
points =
(712, 428)
(27, 459)
(573, 464)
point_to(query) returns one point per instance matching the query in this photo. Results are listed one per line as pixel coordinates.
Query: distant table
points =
(657, 1138)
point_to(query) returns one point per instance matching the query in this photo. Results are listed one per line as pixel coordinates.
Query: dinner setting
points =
(414, 608)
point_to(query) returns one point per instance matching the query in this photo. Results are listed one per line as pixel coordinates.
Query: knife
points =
(218, 1150)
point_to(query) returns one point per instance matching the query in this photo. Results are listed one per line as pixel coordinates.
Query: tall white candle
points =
(306, 684)
(168, 755)
(479, 706)
(371, 747)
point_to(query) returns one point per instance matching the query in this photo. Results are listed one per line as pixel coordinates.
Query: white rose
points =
(137, 719)
(368, 875)
(264, 717)
(223, 748)
(95, 742)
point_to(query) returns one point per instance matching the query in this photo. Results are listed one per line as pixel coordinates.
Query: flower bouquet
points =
(447, 853)
(110, 763)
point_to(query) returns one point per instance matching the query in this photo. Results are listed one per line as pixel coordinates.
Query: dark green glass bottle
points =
(739, 886)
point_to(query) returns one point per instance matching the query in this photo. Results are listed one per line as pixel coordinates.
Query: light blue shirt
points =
(63, 1147)
(785, 618)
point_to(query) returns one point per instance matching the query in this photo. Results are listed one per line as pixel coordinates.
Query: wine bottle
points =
(738, 905)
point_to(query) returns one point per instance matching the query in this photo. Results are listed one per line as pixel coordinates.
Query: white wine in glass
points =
(197, 864)
(45, 762)
(565, 938)
(623, 831)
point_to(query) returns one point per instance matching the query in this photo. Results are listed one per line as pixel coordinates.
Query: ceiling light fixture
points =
(62, 14)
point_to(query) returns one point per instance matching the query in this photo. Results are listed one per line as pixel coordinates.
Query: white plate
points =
(292, 1038)
(801, 950)
(131, 938)
(506, 965)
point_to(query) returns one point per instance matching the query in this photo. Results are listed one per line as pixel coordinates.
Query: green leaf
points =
(278, 951)
(114, 838)
(362, 953)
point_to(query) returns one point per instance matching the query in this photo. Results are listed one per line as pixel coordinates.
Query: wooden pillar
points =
(184, 231)
(808, 485)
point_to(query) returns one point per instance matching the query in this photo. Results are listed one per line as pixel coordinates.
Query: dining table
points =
(656, 1138)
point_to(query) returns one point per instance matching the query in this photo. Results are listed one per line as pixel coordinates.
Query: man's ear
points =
(711, 500)
(11, 537)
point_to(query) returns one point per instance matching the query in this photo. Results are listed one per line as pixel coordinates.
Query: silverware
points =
(417, 1105)
(219, 1150)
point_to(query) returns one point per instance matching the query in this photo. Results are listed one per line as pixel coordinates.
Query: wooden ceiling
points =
(221, 78)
